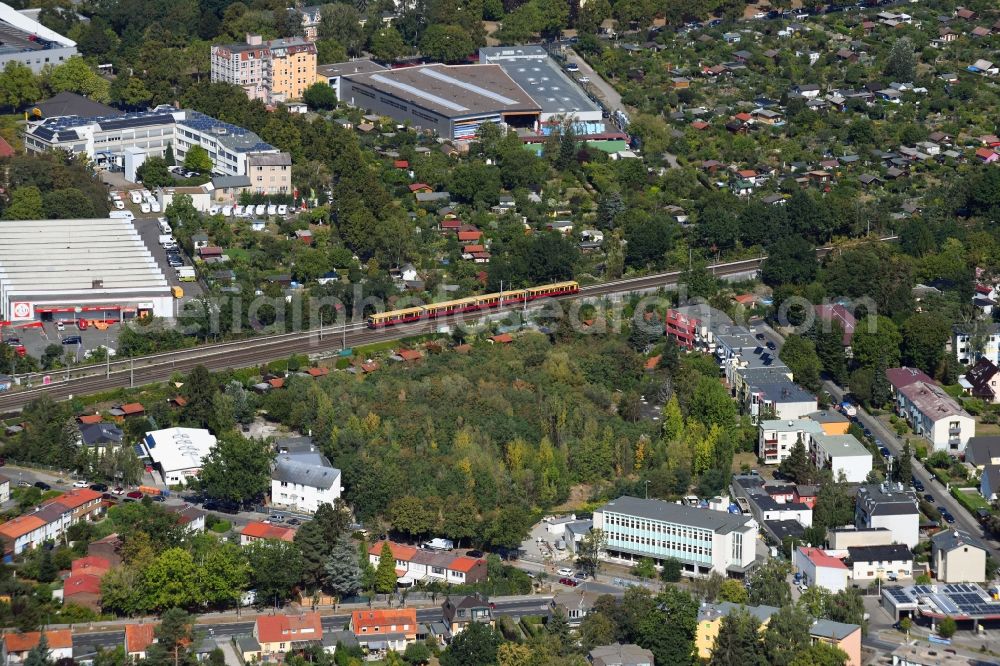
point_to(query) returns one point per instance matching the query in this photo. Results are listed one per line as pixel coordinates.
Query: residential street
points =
(963, 520)
(942, 497)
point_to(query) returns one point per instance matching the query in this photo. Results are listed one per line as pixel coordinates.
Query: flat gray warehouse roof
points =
(540, 76)
(362, 66)
(60, 256)
(457, 91)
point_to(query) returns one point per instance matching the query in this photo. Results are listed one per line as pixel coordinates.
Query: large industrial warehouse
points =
(54, 270)
(450, 100)
(540, 76)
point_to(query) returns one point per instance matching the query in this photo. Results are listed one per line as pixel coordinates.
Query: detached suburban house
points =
(414, 564)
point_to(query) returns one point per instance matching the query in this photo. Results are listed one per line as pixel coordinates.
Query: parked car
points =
(80, 484)
(563, 571)
(135, 494)
(918, 485)
(42, 485)
(929, 498)
(159, 498)
(259, 210)
(475, 553)
(282, 209)
(119, 490)
(572, 67)
(60, 326)
(569, 582)
(99, 487)
(72, 340)
(108, 496)
(948, 518)
(293, 522)
(771, 345)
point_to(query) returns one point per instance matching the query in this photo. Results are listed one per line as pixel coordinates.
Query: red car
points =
(569, 581)
(135, 494)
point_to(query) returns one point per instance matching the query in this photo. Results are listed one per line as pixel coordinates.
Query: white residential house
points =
(841, 454)
(965, 340)
(891, 507)
(936, 415)
(957, 557)
(819, 569)
(776, 438)
(304, 479)
(886, 562)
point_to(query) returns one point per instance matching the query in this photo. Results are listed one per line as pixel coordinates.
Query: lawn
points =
(971, 499)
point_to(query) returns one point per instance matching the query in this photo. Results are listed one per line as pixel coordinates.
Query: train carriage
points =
(483, 302)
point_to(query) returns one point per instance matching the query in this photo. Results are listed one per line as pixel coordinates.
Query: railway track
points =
(257, 351)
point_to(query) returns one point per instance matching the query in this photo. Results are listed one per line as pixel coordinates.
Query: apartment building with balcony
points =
(777, 437)
(842, 455)
(684, 329)
(932, 413)
(274, 71)
(969, 343)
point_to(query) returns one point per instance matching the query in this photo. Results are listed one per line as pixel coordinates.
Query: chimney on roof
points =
(254, 40)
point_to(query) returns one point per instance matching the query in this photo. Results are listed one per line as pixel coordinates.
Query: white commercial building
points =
(106, 140)
(842, 454)
(71, 269)
(890, 507)
(819, 569)
(30, 43)
(303, 480)
(179, 453)
(703, 540)
(531, 67)
(777, 438)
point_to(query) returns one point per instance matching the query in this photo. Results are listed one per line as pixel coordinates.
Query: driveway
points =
(604, 90)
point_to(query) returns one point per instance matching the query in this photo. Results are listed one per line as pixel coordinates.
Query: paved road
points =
(942, 497)
(963, 520)
(611, 98)
(513, 607)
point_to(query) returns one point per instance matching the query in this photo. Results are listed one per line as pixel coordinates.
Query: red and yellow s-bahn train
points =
(484, 302)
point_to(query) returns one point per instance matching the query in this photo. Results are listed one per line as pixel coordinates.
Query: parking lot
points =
(149, 231)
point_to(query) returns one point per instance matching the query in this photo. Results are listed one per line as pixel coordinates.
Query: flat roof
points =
(58, 256)
(718, 521)
(360, 66)
(539, 75)
(841, 445)
(961, 601)
(453, 91)
(792, 425)
(176, 449)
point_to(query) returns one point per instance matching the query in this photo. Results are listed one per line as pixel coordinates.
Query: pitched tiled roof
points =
(267, 531)
(289, 628)
(20, 526)
(81, 584)
(401, 620)
(138, 637)
(22, 642)
(399, 551)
